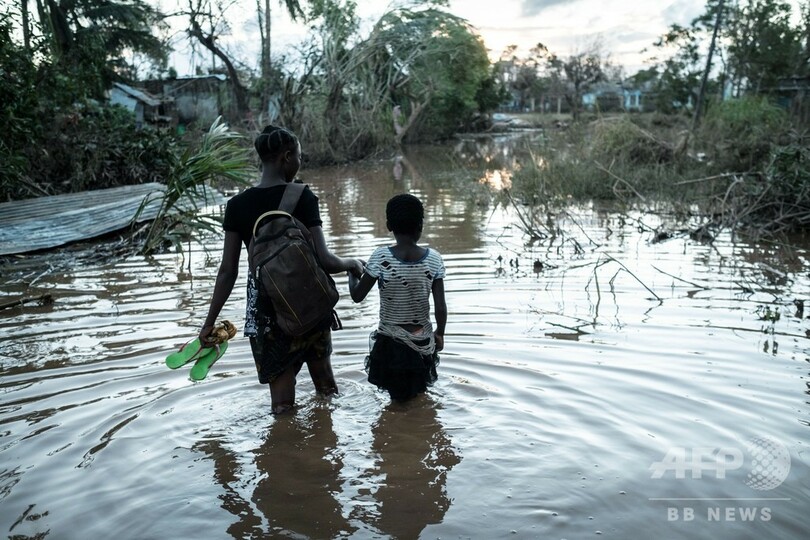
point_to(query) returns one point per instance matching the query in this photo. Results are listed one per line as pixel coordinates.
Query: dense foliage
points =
(58, 138)
(747, 168)
(341, 95)
(759, 42)
(352, 90)
(738, 135)
(418, 74)
(453, 96)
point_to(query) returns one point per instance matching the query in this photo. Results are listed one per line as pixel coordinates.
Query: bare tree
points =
(578, 72)
(200, 13)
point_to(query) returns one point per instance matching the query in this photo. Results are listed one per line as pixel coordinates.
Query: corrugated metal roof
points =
(140, 95)
(220, 76)
(49, 222)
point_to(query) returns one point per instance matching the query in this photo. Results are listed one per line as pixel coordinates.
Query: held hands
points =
(359, 283)
(353, 280)
(356, 267)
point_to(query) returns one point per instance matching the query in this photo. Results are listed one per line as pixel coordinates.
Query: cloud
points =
(626, 35)
(519, 29)
(531, 8)
(682, 11)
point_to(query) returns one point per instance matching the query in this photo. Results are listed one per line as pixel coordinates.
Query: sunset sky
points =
(564, 26)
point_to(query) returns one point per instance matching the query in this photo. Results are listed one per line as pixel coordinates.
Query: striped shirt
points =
(405, 287)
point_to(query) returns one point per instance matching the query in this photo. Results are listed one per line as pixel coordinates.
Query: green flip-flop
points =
(188, 352)
(204, 362)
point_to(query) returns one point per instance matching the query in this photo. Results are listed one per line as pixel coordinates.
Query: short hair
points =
(274, 141)
(405, 214)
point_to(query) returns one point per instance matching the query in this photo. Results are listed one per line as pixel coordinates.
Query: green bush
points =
(738, 134)
(87, 146)
(789, 169)
(620, 140)
(560, 171)
(57, 138)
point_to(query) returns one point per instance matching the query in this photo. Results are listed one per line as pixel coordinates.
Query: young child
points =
(278, 357)
(404, 356)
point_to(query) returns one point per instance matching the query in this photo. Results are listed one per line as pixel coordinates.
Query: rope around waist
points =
(426, 342)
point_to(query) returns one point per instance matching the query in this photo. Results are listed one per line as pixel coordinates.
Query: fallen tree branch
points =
(634, 276)
(44, 298)
(527, 222)
(707, 178)
(681, 279)
(619, 179)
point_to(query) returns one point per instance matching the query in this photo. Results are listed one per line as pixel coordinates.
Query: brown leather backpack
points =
(285, 265)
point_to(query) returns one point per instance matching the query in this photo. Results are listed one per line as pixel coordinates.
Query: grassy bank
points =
(744, 168)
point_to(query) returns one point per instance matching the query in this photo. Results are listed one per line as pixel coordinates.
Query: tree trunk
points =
(704, 80)
(806, 36)
(26, 25)
(207, 40)
(61, 35)
(333, 106)
(266, 57)
(416, 111)
(576, 102)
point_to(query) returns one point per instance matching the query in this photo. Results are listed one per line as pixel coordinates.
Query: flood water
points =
(619, 388)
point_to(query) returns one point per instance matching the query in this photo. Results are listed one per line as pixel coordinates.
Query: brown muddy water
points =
(619, 388)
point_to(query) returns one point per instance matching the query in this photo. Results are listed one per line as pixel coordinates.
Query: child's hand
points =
(439, 339)
(353, 280)
(356, 268)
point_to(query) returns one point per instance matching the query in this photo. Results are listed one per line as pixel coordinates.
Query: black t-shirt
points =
(244, 209)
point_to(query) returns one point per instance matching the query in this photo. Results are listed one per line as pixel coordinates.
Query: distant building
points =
(146, 107)
(196, 99)
(608, 97)
(793, 93)
(633, 99)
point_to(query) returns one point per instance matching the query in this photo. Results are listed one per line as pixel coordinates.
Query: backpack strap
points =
(266, 215)
(292, 193)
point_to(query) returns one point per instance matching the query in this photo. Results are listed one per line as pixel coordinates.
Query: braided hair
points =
(404, 214)
(274, 141)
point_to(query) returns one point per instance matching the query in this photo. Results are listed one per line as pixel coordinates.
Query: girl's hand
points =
(439, 339)
(205, 333)
(356, 267)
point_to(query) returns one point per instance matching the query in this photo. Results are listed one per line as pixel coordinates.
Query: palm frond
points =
(218, 157)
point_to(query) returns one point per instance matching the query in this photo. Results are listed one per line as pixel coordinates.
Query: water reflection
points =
(298, 480)
(453, 181)
(227, 471)
(300, 466)
(413, 458)
(555, 352)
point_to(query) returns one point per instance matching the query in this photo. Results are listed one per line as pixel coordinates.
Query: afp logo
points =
(770, 464)
(767, 463)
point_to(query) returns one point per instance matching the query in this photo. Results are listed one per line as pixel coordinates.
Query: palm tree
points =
(108, 27)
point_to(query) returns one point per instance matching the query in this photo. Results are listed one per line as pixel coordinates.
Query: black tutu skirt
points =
(402, 371)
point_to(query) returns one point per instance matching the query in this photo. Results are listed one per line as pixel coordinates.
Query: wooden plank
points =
(48, 222)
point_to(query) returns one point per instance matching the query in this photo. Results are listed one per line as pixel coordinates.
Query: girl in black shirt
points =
(278, 357)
